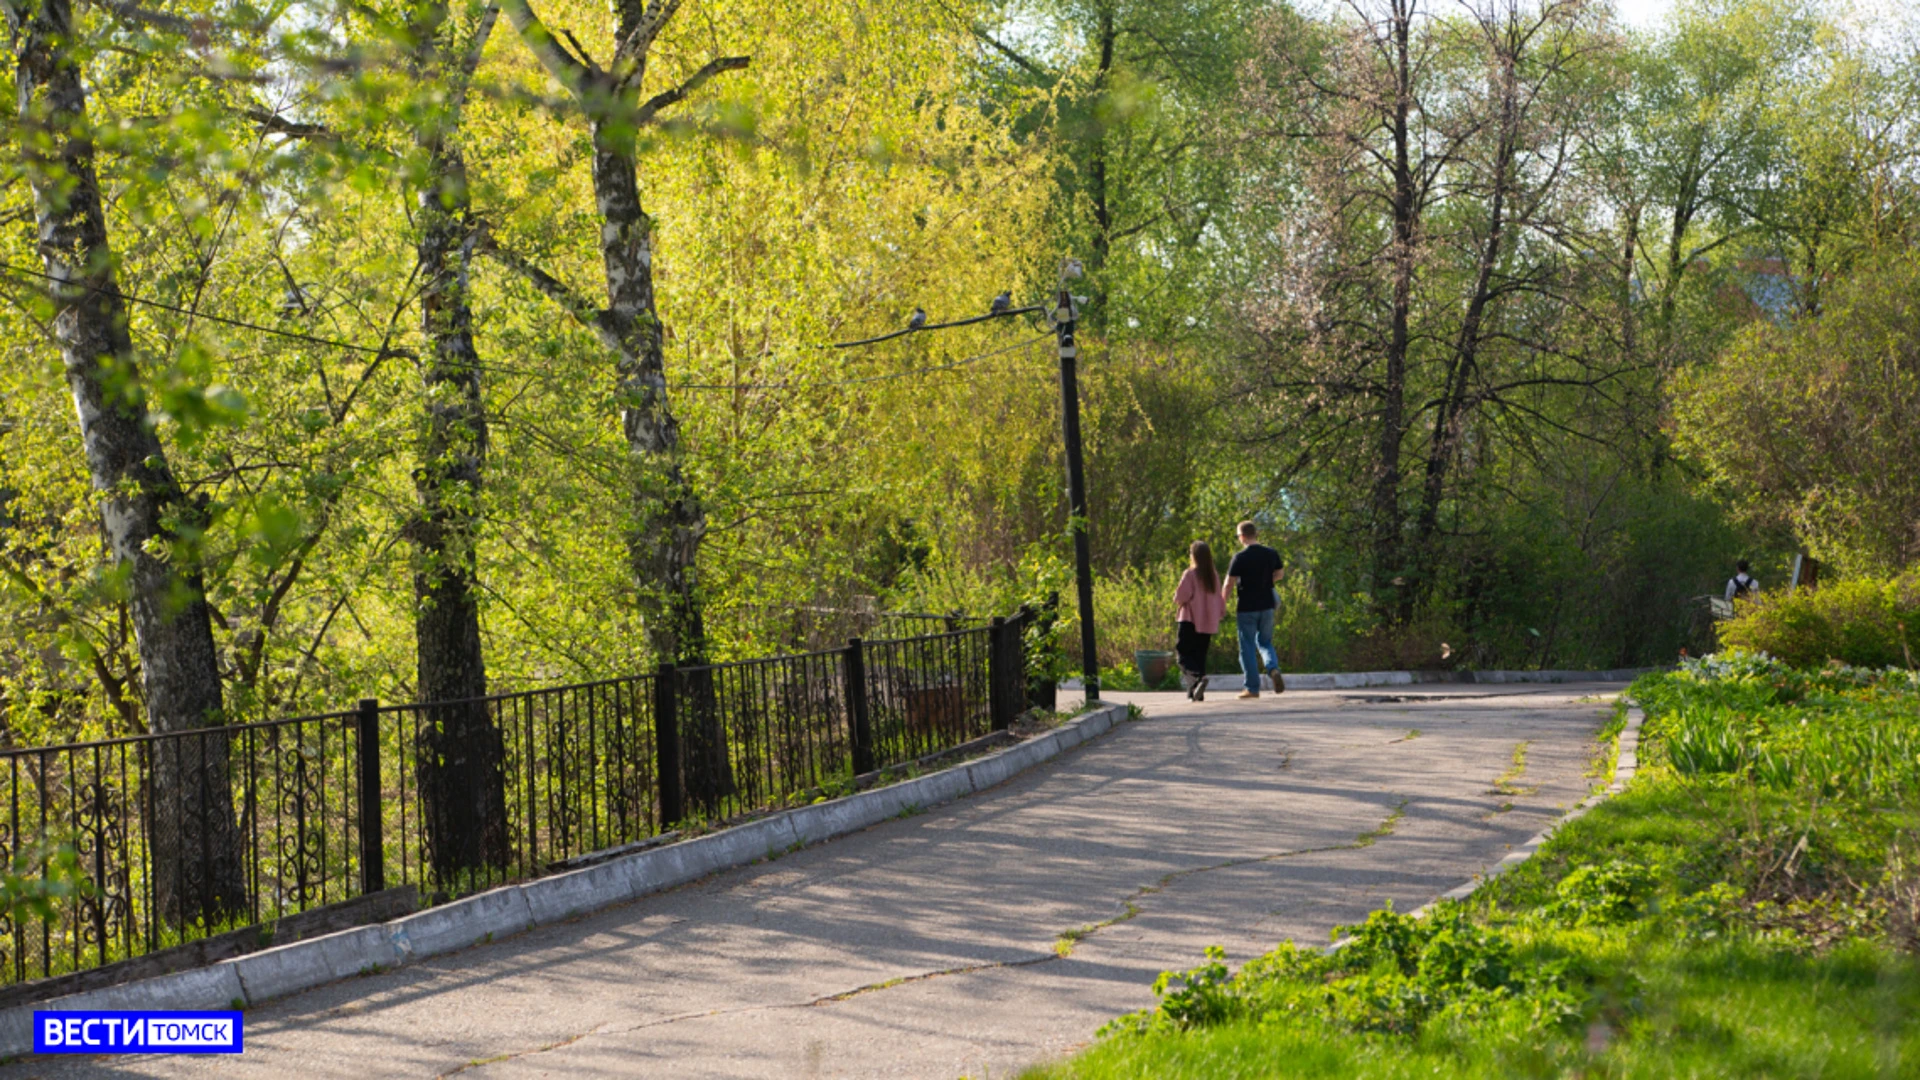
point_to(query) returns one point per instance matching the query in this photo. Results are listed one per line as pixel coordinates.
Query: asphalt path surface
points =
(984, 935)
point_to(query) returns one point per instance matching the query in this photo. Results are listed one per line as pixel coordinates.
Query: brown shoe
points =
(1279, 683)
(1246, 695)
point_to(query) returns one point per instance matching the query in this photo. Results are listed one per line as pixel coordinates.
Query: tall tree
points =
(151, 526)
(668, 519)
(1843, 186)
(1815, 425)
(1522, 243)
(1434, 279)
(462, 755)
(1351, 98)
(1129, 96)
(1705, 93)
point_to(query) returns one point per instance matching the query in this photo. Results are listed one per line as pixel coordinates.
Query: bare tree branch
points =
(572, 301)
(669, 98)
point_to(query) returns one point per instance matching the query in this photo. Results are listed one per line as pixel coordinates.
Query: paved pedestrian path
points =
(985, 935)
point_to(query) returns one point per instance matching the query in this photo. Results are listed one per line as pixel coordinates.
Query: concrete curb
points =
(497, 913)
(1623, 770)
(1357, 680)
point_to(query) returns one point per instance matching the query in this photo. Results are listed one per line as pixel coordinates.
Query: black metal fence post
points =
(859, 729)
(1000, 679)
(666, 745)
(1018, 695)
(373, 847)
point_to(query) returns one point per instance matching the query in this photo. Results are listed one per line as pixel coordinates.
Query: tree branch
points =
(481, 33)
(996, 45)
(645, 30)
(275, 124)
(156, 20)
(669, 98)
(580, 51)
(560, 64)
(574, 303)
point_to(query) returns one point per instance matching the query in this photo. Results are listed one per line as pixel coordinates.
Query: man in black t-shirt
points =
(1250, 581)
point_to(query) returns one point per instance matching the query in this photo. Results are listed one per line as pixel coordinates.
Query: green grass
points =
(1722, 1009)
(1750, 906)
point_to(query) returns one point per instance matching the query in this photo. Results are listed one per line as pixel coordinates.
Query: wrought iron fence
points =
(563, 771)
(185, 836)
(178, 836)
(927, 693)
(810, 628)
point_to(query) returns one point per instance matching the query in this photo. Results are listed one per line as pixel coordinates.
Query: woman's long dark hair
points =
(1200, 556)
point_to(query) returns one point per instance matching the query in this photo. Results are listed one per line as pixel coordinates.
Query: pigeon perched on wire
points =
(1001, 304)
(918, 319)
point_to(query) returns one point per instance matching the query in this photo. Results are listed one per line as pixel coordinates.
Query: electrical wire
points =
(938, 326)
(862, 381)
(295, 335)
(384, 351)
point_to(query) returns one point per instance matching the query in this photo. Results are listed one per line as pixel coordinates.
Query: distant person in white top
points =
(1742, 585)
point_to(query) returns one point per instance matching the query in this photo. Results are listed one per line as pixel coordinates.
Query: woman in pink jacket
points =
(1200, 609)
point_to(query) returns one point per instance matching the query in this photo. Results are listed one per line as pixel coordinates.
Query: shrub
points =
(1134, 610)
(1420, 645)
(1834, 730)
(1603, 895)
(1865, 623)
(1395, 975)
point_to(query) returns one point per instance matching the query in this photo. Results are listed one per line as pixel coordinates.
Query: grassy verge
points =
(1750, 906)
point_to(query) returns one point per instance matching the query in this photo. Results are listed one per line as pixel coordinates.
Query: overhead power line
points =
(791, 384)
(387, 351)
(295, 335)
(924, 327)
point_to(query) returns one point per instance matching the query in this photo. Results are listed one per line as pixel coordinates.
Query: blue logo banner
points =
(90, 1031)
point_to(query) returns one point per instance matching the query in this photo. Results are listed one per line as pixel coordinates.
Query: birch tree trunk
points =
(663, 543)
(667, 519)
(460, 754)
(148, 519)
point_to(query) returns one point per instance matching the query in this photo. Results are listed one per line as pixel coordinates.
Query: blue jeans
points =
(1255, 630)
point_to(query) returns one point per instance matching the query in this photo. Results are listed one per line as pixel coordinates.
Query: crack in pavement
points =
(825, 999)
(1062, 949)
(1064, 945)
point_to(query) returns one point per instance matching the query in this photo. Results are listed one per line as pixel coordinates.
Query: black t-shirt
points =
(1255, 565)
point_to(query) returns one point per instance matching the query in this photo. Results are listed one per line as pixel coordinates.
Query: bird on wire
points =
(918, 319)
(1002, 303)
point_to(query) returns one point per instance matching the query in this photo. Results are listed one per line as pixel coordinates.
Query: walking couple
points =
(1202, 601)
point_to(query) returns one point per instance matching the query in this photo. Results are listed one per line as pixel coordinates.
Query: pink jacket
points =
(1200, 606)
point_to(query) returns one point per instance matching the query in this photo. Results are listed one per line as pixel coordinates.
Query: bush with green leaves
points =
(1834, 731)
(1392, 974)
(1863, 623)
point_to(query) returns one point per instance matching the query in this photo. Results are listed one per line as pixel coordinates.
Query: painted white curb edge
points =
(1357, 680)
(1623, 770)
(497, 913)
